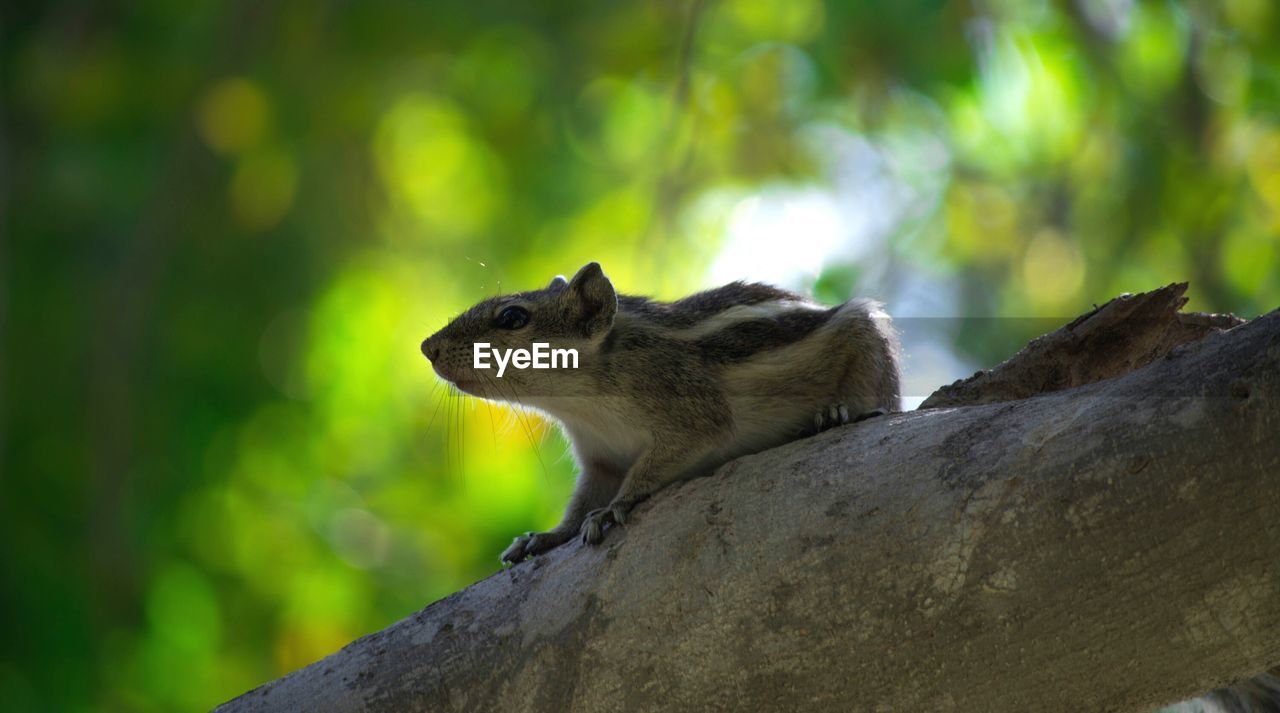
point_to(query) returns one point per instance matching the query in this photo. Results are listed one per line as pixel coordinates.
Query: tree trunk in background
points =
(1112, 545)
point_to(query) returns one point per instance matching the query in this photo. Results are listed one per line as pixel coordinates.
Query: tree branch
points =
(1112, 546)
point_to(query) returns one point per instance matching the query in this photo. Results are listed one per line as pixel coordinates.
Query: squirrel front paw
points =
(593, 525)
(531, 544)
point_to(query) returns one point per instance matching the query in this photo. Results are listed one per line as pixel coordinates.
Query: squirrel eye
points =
(512, 318)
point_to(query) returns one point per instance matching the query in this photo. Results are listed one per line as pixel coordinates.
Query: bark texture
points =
(1113, 546)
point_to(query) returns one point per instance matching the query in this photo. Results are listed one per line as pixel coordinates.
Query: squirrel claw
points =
(531, 544)
(838, 415)
(829, 417)
(593, 525)
(515, 553)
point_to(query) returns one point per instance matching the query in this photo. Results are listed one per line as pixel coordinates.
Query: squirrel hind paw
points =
(870, 414)
(837, 415)
(827, 418)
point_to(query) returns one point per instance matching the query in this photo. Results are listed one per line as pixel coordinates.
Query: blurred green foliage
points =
(226, 227)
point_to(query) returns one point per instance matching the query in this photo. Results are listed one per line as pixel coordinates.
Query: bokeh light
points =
(234, 115)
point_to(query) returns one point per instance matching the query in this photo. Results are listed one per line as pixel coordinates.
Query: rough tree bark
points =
(1112, 545)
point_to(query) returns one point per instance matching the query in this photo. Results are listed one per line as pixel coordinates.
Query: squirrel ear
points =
(596, 296)
(558, 283)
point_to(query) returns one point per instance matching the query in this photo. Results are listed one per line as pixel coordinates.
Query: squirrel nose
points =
(429, 350)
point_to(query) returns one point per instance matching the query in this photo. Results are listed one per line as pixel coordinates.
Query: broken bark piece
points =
(1122, 335)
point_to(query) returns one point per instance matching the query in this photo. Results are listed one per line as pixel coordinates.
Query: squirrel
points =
(666, 391)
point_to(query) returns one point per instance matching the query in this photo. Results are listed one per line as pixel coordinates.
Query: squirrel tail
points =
(1260, 694)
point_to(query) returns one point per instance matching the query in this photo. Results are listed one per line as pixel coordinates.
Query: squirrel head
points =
(566, 314)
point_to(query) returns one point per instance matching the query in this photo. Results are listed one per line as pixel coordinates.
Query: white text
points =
(542, 356)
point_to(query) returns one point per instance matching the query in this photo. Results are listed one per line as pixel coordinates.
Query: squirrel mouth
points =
(443, 373)
(471, 386)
